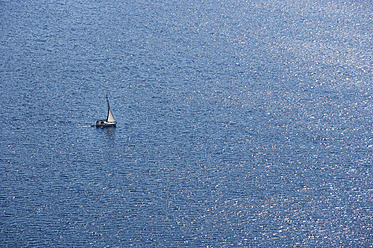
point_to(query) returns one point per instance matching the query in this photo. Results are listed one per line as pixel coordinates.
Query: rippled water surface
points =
(240, 123)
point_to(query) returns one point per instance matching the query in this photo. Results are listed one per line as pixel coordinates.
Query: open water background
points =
(240, 123)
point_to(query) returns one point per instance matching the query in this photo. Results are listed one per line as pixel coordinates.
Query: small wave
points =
(85, 126)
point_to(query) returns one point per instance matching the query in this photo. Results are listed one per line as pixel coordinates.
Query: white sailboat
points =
(110, 121)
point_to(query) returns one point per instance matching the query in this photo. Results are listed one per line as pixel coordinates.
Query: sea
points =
(241, 123)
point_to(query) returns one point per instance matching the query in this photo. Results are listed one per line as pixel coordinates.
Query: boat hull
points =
(106, 125)
(103, 124)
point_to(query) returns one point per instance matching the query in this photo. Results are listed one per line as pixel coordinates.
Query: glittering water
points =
(240, 123)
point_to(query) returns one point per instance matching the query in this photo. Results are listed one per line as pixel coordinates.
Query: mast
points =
(108, 108)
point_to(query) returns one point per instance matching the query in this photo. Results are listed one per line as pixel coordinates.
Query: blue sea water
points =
(240, 123)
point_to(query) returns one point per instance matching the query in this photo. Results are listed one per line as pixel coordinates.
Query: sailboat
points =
(110, 121)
